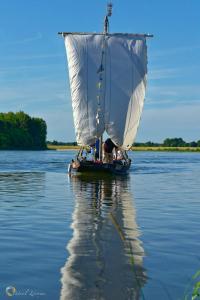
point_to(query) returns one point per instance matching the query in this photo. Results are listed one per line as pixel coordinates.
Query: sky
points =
(33, 65)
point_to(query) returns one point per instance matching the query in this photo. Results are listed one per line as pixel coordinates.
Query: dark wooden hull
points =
(117, 167)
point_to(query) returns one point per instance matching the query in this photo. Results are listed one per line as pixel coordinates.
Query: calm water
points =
(91, 238)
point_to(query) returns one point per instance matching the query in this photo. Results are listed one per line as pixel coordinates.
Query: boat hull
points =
(117, 167)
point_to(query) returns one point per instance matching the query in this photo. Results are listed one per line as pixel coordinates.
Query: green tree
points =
(20, 131)
(193, 144)
(174, 142)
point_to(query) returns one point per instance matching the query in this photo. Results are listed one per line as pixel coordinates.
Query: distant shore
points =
(139, 148)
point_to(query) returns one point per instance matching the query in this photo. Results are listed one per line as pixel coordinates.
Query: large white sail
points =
(108, 80)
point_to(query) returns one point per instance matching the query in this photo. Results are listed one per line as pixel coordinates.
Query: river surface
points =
(134, 237)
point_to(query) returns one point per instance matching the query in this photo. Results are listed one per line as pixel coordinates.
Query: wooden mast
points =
(105, 32)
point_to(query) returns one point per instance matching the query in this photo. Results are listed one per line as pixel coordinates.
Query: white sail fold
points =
(108, 81)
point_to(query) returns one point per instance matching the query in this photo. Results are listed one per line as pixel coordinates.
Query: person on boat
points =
(84, 154)
(119, 154)
(97, 150)
(108, 151)
(91, 153)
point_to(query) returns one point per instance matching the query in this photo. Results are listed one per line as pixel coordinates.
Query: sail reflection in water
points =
(105, 260)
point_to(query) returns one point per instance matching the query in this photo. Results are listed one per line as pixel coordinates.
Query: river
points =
(134, 237)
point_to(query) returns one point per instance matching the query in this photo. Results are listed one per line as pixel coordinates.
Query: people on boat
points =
(108, 151)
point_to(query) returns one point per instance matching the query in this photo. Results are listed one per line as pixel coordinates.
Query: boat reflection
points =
(105, 254)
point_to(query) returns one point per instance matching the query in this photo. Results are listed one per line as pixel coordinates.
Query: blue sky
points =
(33, 69)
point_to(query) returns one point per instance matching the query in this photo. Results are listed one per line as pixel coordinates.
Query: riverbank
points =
(178, 149)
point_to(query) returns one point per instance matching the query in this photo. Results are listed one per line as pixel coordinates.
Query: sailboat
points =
(107, 73)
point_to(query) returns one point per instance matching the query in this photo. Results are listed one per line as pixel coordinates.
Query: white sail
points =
(84, 56)
(108, 80)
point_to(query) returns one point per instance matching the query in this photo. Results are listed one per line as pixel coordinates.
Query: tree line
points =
(56, 143)
(19, 131)
(169, 142)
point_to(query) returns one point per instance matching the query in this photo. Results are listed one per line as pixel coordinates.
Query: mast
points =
(106, 30)
(106, 20)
